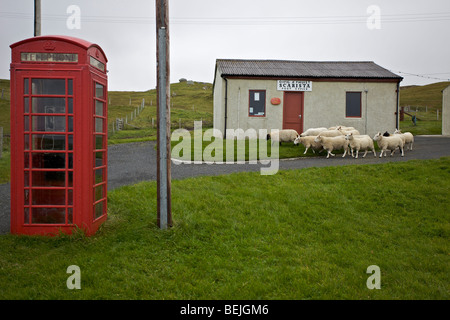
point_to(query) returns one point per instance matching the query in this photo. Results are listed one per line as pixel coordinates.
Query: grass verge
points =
(299, 234)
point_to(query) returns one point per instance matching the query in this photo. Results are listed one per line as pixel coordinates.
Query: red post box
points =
(58, 136)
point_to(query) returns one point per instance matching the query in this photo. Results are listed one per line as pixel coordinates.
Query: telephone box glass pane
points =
(48, 215)
(98, 125)
(26, 215)
(70, 138)
(99, 92)
(70, 180)
(48, 86)
(70, 215)
(70, 120)
(70, 87)
(70, 197)
(98, 141)
(26, 142)
(70, 161)
(26, 160)
(26, 179)
(49, 142)
(48, 197)
(98, 159)
(26, 123)
(70, 102)
(49, 160)
(98, 193)
(48, 105)
(25, 86)
(49, 179)
(26, 105)
(98, 210)
(26, 196)
(99, 108)
(98, 178)
(49, 123)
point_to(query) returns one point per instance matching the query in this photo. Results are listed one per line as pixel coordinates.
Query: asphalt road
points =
(135, 162)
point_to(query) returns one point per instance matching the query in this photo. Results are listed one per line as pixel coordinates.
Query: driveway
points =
(135, 162)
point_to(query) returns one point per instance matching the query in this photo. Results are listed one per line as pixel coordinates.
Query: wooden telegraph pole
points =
(37, 18)
(164, 217)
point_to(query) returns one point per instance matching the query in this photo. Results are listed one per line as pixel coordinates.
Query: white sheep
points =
(342, 127)
(407, 137)
(331, 133)
(312, 132)
(388, 143)
(361, 142)
(333, 143)
(348, 130)
(285, 135)
(309, 142)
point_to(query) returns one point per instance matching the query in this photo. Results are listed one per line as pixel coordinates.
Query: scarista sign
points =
(293, 85)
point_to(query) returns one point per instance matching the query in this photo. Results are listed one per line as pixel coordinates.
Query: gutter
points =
(226, 107)
(397, 115)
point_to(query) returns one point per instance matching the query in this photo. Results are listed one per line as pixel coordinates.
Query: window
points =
(353, 105)
(257, 103)
(99, 155)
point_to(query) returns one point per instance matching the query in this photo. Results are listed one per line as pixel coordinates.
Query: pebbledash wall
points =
(329, 86)
(446, 111)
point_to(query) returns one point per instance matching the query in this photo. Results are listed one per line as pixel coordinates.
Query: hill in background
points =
(429, 95)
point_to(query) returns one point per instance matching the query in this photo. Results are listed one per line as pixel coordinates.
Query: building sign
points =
(294, 85)
(48, 57)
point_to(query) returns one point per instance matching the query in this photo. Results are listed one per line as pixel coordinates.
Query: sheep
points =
(386, 134)
(309, 142)
(312, 132)
(343, 127)
(286, 135)
(331, 133)
(333, 143)
(388, 143)
(362, 142)
(346, 131)
(407, 137)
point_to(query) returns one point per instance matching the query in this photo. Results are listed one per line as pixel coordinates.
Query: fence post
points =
(1, 142)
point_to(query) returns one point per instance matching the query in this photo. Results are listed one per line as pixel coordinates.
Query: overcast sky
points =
(404, 36)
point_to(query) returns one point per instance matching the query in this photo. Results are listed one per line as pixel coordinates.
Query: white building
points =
(273, 94)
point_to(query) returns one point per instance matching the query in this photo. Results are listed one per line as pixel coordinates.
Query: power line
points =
(385, 18)
(426, 75)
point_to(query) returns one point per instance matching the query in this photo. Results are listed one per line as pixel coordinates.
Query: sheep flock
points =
(348, 139)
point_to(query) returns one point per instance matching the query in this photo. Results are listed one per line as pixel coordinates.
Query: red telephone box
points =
(58, 135)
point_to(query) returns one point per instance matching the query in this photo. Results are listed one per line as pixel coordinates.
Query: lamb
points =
(407, 137)
(363, 143)
(309, 142)
(333, 143)
(312, 132)
(286, 135)
(389, 143)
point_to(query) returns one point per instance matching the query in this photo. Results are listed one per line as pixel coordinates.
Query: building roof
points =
(303, 69)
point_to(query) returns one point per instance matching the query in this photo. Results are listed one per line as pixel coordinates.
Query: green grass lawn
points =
(299, 234)
(426, 125)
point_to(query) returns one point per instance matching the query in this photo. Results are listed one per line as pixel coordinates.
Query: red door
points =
(293, 111)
